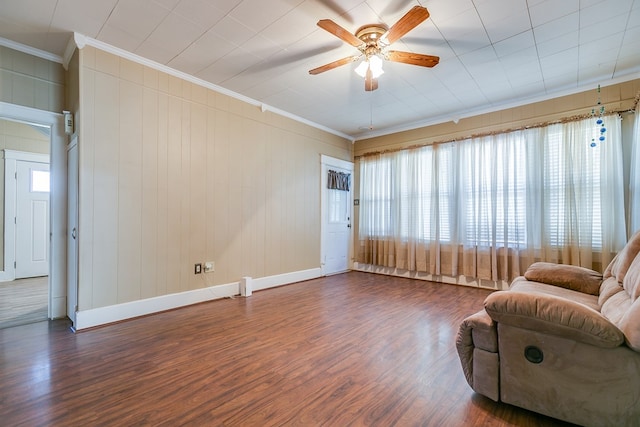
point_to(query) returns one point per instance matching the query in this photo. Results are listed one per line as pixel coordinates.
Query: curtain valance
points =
(338, 180)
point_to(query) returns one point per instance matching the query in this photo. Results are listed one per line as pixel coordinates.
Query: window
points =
(338, 206)
(525, 190)
(40, 181)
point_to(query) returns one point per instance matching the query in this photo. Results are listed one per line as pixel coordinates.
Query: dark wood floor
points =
(352, 349)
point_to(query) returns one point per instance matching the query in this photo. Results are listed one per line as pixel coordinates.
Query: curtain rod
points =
(509, 130)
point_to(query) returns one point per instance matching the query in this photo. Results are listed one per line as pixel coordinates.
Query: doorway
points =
(25, 226)
(40, 134)
(336, 200)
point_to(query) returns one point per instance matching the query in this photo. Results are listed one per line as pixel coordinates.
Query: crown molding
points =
(584, 87)
(81, 41)
(30, 50)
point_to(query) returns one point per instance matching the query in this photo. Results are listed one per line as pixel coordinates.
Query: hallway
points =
(23, 301)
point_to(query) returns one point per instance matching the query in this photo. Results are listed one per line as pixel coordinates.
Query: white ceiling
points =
(493, 53)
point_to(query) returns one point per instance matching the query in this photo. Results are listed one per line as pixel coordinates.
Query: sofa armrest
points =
(476, 331)
(565, 276)
(553, 315)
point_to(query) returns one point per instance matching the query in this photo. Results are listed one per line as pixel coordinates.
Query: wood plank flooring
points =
(23, 301)
(347, 350)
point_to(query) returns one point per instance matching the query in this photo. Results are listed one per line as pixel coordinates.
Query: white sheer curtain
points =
(488, 207)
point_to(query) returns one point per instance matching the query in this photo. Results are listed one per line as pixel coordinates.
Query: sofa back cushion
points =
(616, 307)
(631, 282)
(630, 326)
(623, 308)
(608, 288)
(621, 262)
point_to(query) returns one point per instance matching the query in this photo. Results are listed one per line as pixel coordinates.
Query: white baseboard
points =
(285, 279)
(115, 313)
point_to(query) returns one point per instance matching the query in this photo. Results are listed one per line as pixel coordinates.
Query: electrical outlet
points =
(198, 269)
(209, 266)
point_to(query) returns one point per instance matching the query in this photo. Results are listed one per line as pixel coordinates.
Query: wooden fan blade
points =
(407, 23)
(413, 58)
(341, 33)
(369, 82)
(335, 64)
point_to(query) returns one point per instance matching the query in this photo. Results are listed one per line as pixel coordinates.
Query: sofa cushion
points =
(566, 276)
(629, 306)
(520, 284)
(621, 262)
(553, 315)
(609, 288)
(616, 307)
(631, 282)
(630, 326)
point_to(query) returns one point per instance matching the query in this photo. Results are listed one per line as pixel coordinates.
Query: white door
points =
(336, 219)
(72, 231)
(32, 219)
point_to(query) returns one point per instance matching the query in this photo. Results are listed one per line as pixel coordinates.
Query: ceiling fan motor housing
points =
(371, 35)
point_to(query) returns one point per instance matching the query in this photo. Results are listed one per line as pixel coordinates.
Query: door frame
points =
(57, 202)
(11, 159)
(72, 231)
(327, 162)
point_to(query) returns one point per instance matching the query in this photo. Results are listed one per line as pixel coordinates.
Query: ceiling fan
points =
(372, 41)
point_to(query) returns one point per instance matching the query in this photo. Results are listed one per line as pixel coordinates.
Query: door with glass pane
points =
(336, 223)
(32, 219)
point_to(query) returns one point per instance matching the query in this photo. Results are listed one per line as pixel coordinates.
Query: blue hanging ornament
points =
(599, 110)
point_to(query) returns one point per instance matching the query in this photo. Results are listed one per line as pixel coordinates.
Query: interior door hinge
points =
(15, 265)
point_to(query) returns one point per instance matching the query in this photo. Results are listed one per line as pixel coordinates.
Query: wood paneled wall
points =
(31, 81)
(172, 173)
(619, 96)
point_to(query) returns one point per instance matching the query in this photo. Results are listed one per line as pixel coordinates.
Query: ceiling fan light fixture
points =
(373, 63)
(361, 69)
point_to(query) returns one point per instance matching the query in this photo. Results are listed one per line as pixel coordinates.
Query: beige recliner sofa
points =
(563, 341)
